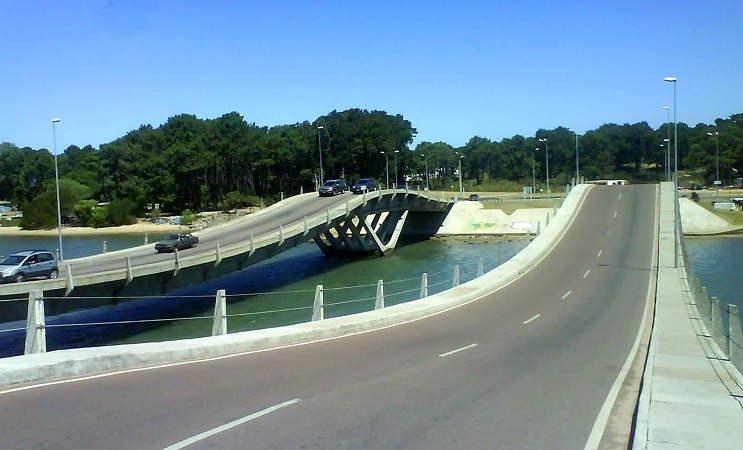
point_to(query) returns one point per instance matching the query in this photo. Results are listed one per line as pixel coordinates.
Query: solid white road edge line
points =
(566, 295)
(227, 426)
(533, 318)
(594, 439)
(458, 350)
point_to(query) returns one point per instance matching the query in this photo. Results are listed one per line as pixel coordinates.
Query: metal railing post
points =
(736, 337)
(424, 285)
(379, 303)
(104, 246)
(219, 326)
(318, 308)
(480, 267)
(455, 278)
(718, 332)
(35, 324)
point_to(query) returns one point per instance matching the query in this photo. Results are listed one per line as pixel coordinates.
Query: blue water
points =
(716, 262)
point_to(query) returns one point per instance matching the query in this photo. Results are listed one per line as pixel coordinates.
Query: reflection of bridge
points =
(343, 225)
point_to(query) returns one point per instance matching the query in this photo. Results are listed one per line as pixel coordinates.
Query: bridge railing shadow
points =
(169, 317)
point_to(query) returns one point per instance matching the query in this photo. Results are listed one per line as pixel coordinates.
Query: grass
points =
(706, 198)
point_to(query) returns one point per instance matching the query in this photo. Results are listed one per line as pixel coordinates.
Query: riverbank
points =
(138, 228)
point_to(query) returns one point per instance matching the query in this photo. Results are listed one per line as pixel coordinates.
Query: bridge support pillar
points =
(35, 324)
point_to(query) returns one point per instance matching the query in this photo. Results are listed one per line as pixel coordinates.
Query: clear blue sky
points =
(454, 69)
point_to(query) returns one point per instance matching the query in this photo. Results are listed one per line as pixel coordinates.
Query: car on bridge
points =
(177, 241)
(28, 264)
(332, 188)
(364, 185)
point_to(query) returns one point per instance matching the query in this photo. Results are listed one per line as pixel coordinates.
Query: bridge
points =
(341, 225)
(544, 352)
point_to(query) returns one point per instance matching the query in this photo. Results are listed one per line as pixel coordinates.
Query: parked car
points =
(177, 241)
(28, 264)
(474, 198)
(364, 185)
(332, 187)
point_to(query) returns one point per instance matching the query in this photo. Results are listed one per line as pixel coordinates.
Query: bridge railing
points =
(723, 323)
(265, 310)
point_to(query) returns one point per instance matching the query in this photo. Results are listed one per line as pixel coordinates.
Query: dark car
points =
(332, 187)
(28, 264)
(177, 241)
(364, 185)
(474, 197)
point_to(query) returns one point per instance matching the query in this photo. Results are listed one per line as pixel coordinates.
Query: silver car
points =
(28, 264)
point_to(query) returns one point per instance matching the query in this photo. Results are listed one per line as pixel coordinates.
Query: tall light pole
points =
(56, 179)
(576, 160)
(675, 175)
(461, 190)
(387, 166)
(547, 163)
(668, 150)
(426, 158)
(717, 174)
(319, 148)
(533, 175)
(396, 152)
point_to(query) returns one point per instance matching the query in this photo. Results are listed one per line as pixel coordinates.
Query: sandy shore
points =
(139, 228)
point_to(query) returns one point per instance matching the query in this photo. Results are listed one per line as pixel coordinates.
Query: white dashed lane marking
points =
(566, 295)
(532, 319)
(458, 350)
(587, 272)
(599, 253)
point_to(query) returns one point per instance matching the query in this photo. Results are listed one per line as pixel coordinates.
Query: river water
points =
(285, 287)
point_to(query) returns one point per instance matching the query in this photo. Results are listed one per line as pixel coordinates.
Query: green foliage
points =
(233, 200)
(694, 196)
(99, 217)
(187, 217)
(40, 213)
(122, 212)
(84, 212)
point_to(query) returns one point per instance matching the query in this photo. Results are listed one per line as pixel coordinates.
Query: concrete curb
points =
(87, 361)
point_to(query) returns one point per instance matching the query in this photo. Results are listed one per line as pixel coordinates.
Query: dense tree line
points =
(198, 164)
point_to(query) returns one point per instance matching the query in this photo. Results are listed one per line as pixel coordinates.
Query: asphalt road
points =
(528, 366)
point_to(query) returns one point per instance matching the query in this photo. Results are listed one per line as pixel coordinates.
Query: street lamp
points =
(668, 150)
(675, 174)
(717, 175)
(461, 190)
(533, 175)
(396, 152)
(577, 179)
(424, 156)
(387, 166)
(547, 162)
(319, 147)
(56, 179)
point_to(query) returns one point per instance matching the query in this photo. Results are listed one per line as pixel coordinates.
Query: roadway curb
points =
(61, 364)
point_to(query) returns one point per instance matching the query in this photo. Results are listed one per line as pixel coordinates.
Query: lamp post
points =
(533, 175)
(319, 148)
(675, 175)
(424, 156)
(396, 152)
(717, 172)
(387, 167)
(461, 190)
(577, 175)
(547, 163)
(56, 180)
(668, 150)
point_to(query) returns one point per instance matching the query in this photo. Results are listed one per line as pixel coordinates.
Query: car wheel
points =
(54, 274)
(19, 277)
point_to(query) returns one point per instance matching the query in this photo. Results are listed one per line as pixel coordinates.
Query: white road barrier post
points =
(455, 278)
(379, 303)
(318, 309)
(219, 326)
(424, 285)
(35, 324)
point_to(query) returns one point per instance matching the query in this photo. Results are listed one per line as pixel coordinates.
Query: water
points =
(285, 284)
(716, 262)
(75, 246)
